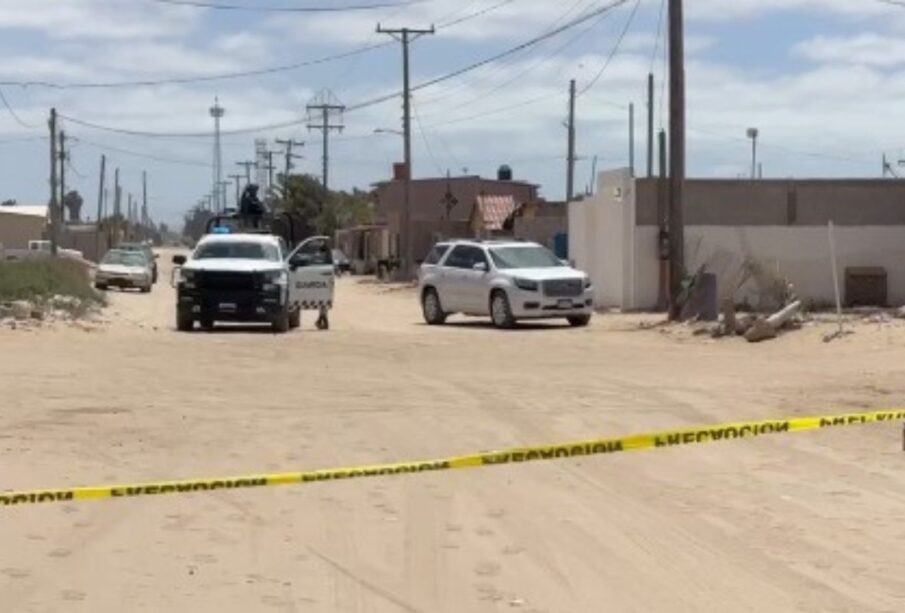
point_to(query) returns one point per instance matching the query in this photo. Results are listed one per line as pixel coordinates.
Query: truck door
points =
(311, 274)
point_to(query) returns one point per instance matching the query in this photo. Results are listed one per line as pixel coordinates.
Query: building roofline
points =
(457, 179)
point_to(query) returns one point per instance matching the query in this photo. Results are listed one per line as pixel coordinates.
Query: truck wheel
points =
(432, 309)
(100, 286)
(207, 324)
(295, 318)
(146, 290)
(579, 321)
(280, 323)
(184, 322)
(500, 310)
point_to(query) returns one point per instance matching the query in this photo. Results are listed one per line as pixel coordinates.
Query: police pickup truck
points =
(248, 277)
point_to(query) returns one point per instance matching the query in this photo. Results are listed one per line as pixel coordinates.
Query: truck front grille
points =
(228, 281)
(564, 288)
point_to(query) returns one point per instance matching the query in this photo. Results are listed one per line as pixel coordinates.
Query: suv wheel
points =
(579, 321)
(432, 309)
(295, 318)
(500, 310)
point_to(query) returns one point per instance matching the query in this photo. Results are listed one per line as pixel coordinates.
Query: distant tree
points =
(322, 210)
(10, 202)
(195, 222)
(73, 202)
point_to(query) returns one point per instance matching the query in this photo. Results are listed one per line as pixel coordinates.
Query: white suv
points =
(507, 280)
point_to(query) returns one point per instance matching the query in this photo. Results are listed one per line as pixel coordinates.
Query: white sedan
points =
(507, 280)
(120, 268)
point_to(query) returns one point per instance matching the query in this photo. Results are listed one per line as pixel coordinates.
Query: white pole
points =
(831, 231)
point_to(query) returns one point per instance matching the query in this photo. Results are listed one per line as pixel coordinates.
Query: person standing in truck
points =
(251, 208)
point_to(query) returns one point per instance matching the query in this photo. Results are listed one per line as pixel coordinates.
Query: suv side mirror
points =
(179, 260)
(480, 266)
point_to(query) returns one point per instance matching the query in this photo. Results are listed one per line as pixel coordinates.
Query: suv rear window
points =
(436, 253)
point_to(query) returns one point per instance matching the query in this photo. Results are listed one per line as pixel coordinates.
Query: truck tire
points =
(100, 286)
(501, 310)
(579, 321)
(280, 323)
(295, 318)
(184, 321)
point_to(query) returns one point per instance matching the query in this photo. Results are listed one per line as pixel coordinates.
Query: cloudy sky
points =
(823, 80)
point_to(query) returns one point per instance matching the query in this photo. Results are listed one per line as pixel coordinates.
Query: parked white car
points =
(121, 268)
(507, 280)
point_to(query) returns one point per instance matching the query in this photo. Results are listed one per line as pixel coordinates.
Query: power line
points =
(147, 156)
(534, 65)
(492, 73)
(200, 79)
(374, 101)
(18, 119)
(471, 16)
(512, 50)
(223, 6)
(653, 55)
(614, 51)
(427, 145)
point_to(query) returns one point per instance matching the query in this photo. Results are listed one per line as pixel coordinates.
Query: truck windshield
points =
(237, 250)
(524, 257)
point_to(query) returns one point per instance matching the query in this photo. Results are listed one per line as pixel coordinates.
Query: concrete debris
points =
(20, 309)
(761, 330)
(900, 313)
(27, 315)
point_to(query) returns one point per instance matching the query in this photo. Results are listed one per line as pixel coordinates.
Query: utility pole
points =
(248, 165)
(663, 300)
(100, 208)
(327, 105)
(676, 155)
(54, 209)
(62, 177)
(217, 112)
(650, 124)
(631, 139)
(753, 134)
(406, 36)
(270, 169)
(238, 181)
(570, 155)
(117, 206)
(144, 198)
(288, 155)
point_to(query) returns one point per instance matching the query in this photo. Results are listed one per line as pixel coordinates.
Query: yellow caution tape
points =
(667, 438)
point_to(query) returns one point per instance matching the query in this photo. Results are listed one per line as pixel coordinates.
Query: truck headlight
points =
(275, 279)
(187, 278)
(526, 284)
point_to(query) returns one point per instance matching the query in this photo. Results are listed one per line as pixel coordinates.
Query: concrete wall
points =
(601, 240)
(717, 202)
(17, 229)
(613, 235)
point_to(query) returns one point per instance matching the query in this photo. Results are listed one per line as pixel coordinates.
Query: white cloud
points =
(870, 49)
(97, 19)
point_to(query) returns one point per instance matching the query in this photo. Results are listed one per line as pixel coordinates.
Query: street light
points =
(389, 131)
(752, 134)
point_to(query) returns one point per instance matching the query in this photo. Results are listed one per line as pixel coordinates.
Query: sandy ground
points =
(803, 522)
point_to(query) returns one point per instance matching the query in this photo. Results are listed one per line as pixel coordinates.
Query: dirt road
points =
(804, 522)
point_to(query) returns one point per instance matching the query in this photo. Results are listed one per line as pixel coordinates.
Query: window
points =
(524, 257)
(313, 253)
(436, 253)
(125, 258)
(466, 256)
(238, 250)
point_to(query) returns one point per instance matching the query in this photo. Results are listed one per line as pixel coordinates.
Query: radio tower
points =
(219, 203)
